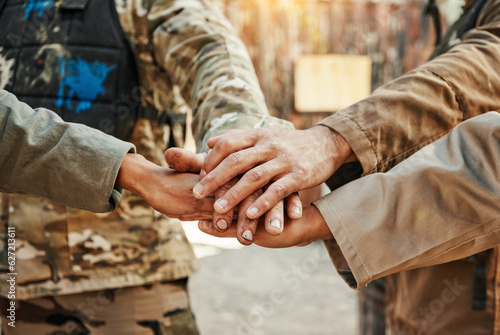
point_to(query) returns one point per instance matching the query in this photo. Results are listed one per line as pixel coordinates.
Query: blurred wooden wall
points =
(392, 32)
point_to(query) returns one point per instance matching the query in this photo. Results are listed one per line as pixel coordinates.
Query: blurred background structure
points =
(256, 291)
(393, 33)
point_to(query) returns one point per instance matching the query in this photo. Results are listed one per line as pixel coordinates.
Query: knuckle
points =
(224, 144)
(300, 171)
(255, 195)
(259, 133)
(250, 225)
(221, 191)
(263, 134)
(258, 192)
(232, 195)
(278, 190)
(263, 204)
(276, 212)
(294, 201)
(226, 187)
(274, 145)
(294, 185)
(255, 175)
(208, 180)
(235, 159)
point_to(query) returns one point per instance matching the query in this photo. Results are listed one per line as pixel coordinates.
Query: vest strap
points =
(74, 4)
(479, 282)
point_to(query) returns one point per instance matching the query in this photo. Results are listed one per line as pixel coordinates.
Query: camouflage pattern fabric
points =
(61, 250)
(159, 309)
(189, 43)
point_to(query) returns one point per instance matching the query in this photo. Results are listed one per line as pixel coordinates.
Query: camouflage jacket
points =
(184, 44)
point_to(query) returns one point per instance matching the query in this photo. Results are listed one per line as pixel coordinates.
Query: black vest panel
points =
(70, 56)
(456, 31)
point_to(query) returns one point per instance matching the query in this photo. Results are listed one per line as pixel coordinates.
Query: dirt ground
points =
(257, 291)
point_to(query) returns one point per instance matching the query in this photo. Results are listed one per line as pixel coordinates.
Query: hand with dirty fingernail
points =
(222, 217)
(281, 160)
(309, 228)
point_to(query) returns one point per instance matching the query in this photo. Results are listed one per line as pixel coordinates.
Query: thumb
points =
(184, 161)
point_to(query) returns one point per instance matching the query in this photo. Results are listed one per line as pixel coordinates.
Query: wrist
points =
(318, 229)
(134, 171)
(336, 147)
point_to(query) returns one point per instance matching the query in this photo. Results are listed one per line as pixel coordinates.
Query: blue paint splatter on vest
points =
(37, 5)
(83, 80)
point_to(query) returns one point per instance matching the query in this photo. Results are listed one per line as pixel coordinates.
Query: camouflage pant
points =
(158, 309)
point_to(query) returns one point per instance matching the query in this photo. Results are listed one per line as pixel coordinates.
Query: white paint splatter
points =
(121, 6)
(141, 11)
(6, 72)
(451, 9)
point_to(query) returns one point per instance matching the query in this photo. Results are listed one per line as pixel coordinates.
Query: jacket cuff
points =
(342, 251)
(115, 193)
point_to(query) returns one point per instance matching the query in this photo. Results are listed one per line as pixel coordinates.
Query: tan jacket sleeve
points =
(421, 106)
(68, 163)
(439, 205)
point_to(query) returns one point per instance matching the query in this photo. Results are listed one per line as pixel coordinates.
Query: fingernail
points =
(202, 174)
(247, 235)
(297, 210)
(204, 224)
(252, 211)
(276, 224)
(198, 190)
(222, 224)
(221, 203)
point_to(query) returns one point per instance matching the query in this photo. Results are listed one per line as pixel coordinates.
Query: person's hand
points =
(287, 160)
(166, 190)
(183, 160)
(311, 227)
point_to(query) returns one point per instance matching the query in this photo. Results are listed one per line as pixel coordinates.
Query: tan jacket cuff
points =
(341, 249)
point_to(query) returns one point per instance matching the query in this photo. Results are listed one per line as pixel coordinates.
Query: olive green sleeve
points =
(68, 163)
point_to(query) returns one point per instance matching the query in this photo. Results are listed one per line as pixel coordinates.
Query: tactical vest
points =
(72, 57)
(455, 32)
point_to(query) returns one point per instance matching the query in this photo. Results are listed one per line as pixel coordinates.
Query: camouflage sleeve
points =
(68, 163)
(199, 50)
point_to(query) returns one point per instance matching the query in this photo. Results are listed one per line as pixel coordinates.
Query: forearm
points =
(439, 205)
(71, 164)
(416, 109)
(212, 67)
(137, 173)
